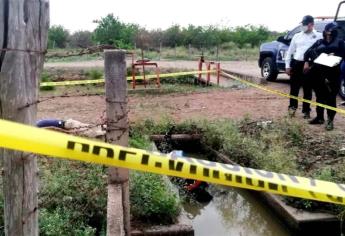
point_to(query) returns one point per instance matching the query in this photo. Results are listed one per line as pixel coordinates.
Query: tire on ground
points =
(268, 69)
(342, 89)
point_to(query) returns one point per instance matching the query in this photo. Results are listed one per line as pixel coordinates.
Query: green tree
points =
(111, 30)
(173, 36)
(211, 36)
(57, 37)
(193, 35)
(81, 39)
(250, 34)
(225, 35)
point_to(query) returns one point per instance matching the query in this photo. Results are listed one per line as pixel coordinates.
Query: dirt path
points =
(250, 67)
(234, 104)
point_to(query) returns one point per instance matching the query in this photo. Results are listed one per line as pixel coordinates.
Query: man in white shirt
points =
(294, 64)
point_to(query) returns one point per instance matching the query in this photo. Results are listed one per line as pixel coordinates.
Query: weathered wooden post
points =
(118, 214)
(23, 42)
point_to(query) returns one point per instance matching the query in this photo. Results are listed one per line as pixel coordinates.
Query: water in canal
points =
(232, 212)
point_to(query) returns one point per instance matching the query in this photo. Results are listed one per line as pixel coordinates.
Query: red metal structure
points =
(142, 64)
(208, 67)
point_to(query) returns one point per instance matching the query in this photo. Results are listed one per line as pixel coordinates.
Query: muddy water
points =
(232, 212)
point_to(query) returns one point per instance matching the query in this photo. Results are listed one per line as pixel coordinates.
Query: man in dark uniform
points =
(294, 63)
(326, 78)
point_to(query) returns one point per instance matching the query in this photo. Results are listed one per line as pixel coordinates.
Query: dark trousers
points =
(326, 87)
(297, 80)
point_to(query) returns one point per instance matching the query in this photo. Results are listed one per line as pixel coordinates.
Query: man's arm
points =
(289, 53)
(308, 55)
(311, 54)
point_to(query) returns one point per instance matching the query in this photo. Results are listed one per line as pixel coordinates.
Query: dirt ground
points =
(249, 67)
(234, 104)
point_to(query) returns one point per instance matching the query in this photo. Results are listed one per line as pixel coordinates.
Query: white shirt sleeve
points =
(290, 52)
(319, 35)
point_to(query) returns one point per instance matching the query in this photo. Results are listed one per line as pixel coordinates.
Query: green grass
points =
(73, 197)
(61, 221)
(94, 74)
(152, 201)
(45, 77)
(246, 142)
(282, 146)
(227, 52)
(251, 145)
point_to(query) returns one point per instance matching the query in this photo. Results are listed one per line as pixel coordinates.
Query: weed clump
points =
(94, 74)
(152, 200)
(45, 77)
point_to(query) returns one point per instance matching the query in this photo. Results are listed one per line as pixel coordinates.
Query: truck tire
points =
(268, 69)
(342, 89)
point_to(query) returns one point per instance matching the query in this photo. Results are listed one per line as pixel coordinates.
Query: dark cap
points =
(307, 20)
(331, 26)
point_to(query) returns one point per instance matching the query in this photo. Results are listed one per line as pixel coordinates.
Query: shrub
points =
(58, 222)
(81, 39)
(225, 137)
(152, 200)
(292, 131)
(45, 77)
(181, 79)
(94, 74)
(57, 37)
(110, 30)
(74, 193)
(141, 142)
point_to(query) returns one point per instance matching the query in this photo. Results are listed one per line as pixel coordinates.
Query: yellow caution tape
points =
(341, 111)
(97, 81)
(76, 82)
(25, 138)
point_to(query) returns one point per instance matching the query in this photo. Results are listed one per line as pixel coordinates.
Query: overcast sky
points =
(275, 14)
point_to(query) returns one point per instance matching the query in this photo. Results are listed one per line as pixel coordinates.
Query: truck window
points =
(320, 26)
(293, 32)
(341, 12)
(340, 19)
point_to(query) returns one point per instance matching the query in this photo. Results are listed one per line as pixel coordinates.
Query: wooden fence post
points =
(118, 214)
(23, 42)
